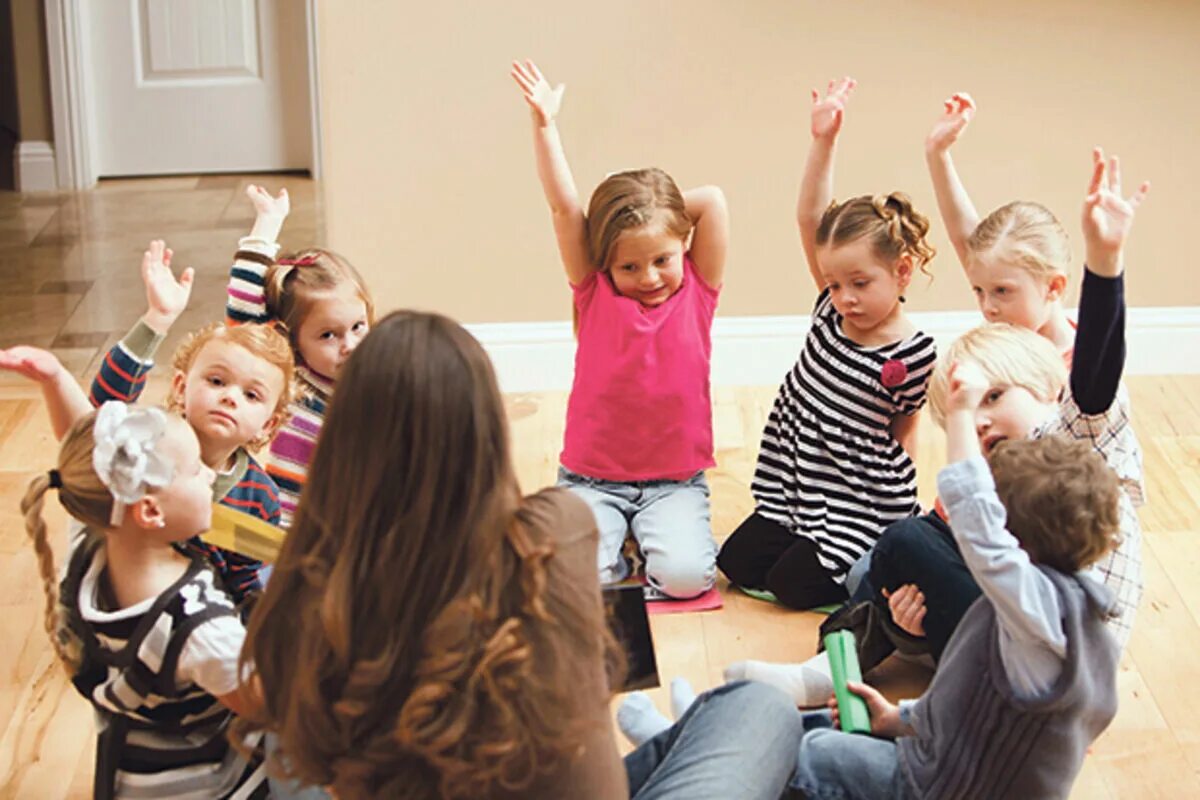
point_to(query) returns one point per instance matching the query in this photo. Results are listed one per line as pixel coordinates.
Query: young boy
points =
(1028, 679)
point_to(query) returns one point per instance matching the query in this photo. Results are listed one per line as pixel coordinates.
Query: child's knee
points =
(903, 543)
(682, 574)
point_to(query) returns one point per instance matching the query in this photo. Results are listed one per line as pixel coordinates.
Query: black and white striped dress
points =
(829, 468)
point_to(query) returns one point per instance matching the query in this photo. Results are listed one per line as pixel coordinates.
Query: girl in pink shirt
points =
(645, 266)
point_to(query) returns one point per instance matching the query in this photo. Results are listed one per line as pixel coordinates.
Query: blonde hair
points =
(889, 222)
(628, 200)
(1025, 235)
(262, 341)
(1061, 499)
(1008, 356)
(86, 499)
(294, 281)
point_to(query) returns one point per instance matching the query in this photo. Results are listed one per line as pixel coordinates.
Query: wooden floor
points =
(1151, 750)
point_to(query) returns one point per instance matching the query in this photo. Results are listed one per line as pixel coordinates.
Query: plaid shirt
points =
(1113, 437)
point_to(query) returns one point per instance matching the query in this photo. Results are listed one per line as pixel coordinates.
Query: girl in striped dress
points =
(320, 302)
(146, 632)
(835, 465)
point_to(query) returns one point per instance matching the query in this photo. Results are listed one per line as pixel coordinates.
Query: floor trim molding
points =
(757, 351)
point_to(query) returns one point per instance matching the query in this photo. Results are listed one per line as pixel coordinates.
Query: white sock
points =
(639, 720)
(682, 696)
(809, 683)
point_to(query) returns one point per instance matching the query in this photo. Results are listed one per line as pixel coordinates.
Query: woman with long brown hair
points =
(429, 632)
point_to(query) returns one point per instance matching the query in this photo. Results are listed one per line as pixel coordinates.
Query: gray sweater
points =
(976, 739)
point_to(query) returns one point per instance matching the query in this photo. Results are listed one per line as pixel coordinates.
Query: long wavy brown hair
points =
(404, 644)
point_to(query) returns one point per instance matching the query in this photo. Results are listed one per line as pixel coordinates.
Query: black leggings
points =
(762, 554)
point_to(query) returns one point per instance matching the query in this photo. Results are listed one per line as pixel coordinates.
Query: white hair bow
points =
(125, 454)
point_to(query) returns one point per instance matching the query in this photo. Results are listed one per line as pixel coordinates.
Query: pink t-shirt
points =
(640, 407)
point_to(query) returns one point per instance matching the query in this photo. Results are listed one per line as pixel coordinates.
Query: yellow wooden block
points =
(245, 534)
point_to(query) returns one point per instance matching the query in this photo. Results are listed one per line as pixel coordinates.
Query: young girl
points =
(231, 385)
(639, 420)
(835, 465)
(144, 630)
(430, 633)
(322, 305)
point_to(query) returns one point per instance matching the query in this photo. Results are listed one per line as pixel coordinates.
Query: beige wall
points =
(430, 183)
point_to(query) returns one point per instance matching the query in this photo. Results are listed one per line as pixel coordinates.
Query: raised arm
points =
(554, 172)
(64, 397)
(1099, 356)
(1033, 642)
(122, 374)
(246, 299)
(958, 213)
(816, 187)
(710, 237)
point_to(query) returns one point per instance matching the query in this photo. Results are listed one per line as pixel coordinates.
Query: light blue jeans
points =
(670, 520)
(736, 741)
(833, 765)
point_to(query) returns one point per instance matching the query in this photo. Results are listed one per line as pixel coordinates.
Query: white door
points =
(183, 86)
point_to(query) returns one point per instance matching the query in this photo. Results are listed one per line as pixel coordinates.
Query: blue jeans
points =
(832, 765)
(670, 520)
(736, 741)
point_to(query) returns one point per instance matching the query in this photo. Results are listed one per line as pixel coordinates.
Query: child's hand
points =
(885, 717)
(827, 112)
(543, 101)
(1107, 217)
(968, 384)
(266, 205)
(908, 609)
(34, 363)
(959, 109)
(166, 297)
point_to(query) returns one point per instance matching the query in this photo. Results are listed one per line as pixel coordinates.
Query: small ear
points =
(1056, 287)
(147, 513)
(178, 387)
(903, 269)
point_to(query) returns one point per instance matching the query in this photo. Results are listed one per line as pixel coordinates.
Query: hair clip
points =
(303, 261)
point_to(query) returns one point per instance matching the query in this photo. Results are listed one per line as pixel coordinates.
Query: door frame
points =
(71, 92)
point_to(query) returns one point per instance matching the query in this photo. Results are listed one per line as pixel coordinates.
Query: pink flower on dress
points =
(893, 373)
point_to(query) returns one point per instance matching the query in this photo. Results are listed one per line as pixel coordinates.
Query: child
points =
(144, 630)
(918, 581)
(430, 633)
(1028, 680)
(322, 305)
(231, 384)
(835, 465)
(639, 419)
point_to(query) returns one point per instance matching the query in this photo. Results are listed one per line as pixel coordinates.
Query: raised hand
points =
(958, 110)
(968, 385)
(543, 100)
(34, 363)
(1107, 216)
(265, 204)
(908, 609)
(166, 297)
(828, 111)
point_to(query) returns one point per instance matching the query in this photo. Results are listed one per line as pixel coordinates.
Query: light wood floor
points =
(1151, 750)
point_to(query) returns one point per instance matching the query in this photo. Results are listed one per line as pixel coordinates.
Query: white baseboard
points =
(757, 351)
(33, 163)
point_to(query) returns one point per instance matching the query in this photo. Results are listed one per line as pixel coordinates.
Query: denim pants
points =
(832, 765)
(670, 520)
(736, 741)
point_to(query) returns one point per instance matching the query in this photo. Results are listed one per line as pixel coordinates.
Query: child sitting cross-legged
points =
(1028, 680)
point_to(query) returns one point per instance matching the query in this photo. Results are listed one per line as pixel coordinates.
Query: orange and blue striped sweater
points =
(246, 487)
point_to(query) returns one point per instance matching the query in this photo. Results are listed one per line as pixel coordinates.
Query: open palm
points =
(1107, 216)
(166, 296)
(828, 111)
(543, 100)
(32, 362)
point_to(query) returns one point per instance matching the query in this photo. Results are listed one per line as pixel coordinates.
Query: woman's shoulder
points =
(560, 514)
